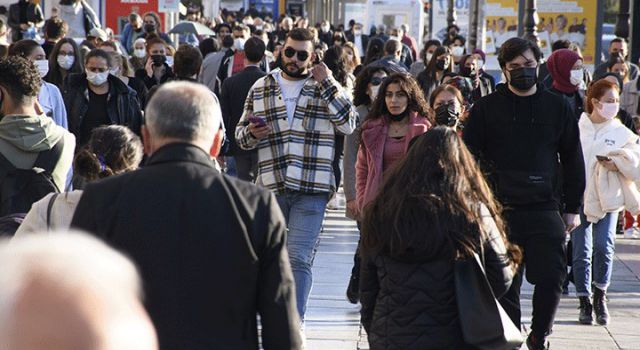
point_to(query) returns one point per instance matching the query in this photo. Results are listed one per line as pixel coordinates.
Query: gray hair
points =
(75, 260)
(184, 111)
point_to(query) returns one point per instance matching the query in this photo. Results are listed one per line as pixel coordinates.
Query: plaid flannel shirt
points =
(299, 156)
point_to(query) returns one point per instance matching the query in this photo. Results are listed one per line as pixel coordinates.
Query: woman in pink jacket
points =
(396, 117)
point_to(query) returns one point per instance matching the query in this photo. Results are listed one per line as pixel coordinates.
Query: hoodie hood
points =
(30, 133)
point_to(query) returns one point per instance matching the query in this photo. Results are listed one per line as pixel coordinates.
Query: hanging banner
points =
(573, 20)
(168, 6)
(439, 18)
(500, 24)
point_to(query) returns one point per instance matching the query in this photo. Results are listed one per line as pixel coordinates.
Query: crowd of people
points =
(219, 156)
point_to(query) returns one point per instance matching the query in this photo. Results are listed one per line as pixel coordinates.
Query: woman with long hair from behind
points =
(110, 151)
(435, 207)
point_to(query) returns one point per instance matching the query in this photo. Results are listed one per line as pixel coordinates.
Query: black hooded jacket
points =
(521, 142)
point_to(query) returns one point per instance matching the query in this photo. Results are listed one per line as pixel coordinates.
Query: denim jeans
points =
(593, 247)
(304, 214)
(230, 166)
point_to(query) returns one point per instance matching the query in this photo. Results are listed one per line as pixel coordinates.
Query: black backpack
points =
(20, 188)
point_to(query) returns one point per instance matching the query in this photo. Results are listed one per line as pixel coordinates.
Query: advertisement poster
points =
(168, 6)
(439, 17)
(117, 16)
(500, 24)
(573, 20)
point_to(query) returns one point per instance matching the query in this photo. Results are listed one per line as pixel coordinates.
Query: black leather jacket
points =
(122, 104)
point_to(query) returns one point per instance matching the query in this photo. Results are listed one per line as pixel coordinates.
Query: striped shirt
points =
(299, 156)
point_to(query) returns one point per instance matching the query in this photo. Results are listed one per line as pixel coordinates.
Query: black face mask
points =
(441, 64)
(447, 115)
(149, 28)
(158, 60)
(297, 74)
(399, 117)
(468, 72)
(523, 78)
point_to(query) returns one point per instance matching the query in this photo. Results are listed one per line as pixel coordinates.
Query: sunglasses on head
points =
(290, 52)
(376, 81)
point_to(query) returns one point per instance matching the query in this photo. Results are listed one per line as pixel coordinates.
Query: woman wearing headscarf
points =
(566, 69)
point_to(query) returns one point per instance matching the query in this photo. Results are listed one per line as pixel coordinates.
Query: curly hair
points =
(408, 84)
(360, 96)
(111, 150)
(20, 78)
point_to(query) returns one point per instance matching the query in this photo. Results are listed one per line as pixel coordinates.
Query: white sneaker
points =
(632, 233)
(333, 204)
(303, 338)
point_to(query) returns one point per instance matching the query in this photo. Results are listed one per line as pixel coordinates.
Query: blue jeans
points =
(230, 166)
(593, 248)
(304, 214)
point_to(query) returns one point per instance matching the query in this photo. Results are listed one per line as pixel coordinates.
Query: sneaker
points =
(303, 338)
(535, 343)
(600, 306)
(632, 233)
(586, 311)
(333, 204)
(352, 290)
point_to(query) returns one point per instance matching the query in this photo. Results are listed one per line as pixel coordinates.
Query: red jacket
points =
(369, 174)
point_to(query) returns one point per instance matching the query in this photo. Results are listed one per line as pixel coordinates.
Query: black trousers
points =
(541, 235)
(247, 166)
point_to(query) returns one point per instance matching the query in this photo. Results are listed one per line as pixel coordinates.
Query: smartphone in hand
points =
(258, 121)
(603, 158)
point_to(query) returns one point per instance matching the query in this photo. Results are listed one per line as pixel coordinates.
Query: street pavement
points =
(332, 323)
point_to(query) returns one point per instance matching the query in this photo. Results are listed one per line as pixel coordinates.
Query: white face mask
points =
(350, 56)
(239, 44)
(169, 61)
(608, 110)
(43, 67)
(394, 38)
(140, 53)
(576, 77)
(457, 50)
(480, 64)
(66, 62)
(357, 32)
(115, 71)
(429, 55)
(325, 28)
(373, 92)
(97, 79)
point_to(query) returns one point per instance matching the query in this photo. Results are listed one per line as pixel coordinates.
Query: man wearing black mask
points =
(522, 135)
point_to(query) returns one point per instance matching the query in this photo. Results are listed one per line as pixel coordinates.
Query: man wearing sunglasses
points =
(292, 116)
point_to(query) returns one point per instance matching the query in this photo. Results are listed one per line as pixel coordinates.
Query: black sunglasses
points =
(302, 55)
(376, 81)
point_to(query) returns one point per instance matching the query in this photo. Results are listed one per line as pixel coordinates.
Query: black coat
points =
(150, 82)
(34, 15)
(122, 104)
(521, 142)
(408, 301)
(232, 97)
(211, 251)
(365, 41)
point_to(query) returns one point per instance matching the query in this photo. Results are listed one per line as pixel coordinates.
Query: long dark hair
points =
(55, 71)
(375, 50)
(409, 85)
(430, 202)
(336, 60)
(430, 69)
(360, 96)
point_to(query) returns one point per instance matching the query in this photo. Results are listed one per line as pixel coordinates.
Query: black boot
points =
(353, 294)
(586, 310)
(536, 342)
(600, 306)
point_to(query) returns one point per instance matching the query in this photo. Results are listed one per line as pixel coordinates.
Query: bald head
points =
(70, 291)
(182, 112)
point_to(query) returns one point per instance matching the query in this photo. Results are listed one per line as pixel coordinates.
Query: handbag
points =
(484, 323)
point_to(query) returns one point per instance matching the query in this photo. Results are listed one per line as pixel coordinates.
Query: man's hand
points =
(24, 26)
(257, 131)
(571, 221)
(320, 72)
(148, 67)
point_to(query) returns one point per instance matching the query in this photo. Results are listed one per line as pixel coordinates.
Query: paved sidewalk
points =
(333, 324)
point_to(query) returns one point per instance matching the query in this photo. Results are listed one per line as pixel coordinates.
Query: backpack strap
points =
(47, 160)
(52, 200)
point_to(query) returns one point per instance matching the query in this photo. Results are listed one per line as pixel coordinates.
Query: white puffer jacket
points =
(610, 191)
